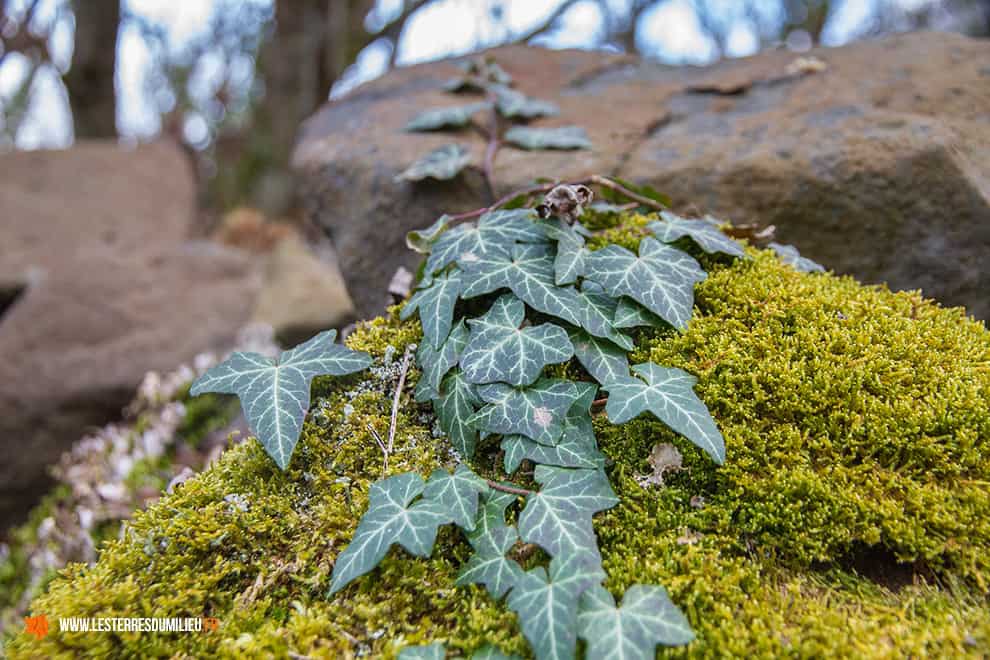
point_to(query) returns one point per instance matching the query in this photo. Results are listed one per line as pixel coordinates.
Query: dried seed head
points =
(565, 201)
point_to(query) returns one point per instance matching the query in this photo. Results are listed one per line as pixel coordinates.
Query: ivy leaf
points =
(275, 393)
(491, 534)
(493, 569)
(496, 232)
(630, 314)
(577, 446)
(536, 412)
(528, 273)
(489, 652)
(631, 632)
(577, 423)
(389, 519)
(548, 608)
(421, 240)
(661, 278)
(434, 651)
(461, 84)
(558, 516)
(443, 163)
(457, 494)
(454, 409)
(603, 360)
(499, 351)
(707, 235)
(511, 103)
(568, 265)
(789, 255)
(669, 395)
(564, 137)
(572, 451)
(438, 118)
(596, 314)
(436, 363)
(436, 306)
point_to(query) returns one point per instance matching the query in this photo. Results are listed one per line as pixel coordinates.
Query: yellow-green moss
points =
(857, 423)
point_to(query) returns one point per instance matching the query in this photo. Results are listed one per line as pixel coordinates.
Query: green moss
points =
(851, 519)
(205, 414)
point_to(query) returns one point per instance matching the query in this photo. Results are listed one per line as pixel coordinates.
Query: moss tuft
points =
(851, 519)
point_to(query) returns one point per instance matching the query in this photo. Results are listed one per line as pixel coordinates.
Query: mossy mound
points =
(851, 519)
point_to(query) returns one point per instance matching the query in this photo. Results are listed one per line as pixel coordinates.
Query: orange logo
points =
(210, 623)
(36, 625)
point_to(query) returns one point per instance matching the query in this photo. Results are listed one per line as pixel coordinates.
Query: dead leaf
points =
(664, 458)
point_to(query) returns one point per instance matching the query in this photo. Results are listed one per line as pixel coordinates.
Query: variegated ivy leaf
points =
(596, 313)
(390, 519)
(558, 516)
(662, 278)
(577, 446)
(602, 359)
(436, 306)
(568, 265)
(789, 255)
(536, 412)
(563, 137)
(572, 451)
(436, 363)
(500, 351)
(630, 314)
(489, 652)
(631, 632)
(491, 534)
(577, 422)
(707, 235)
(421, 240)
(669, 395)
(490, 567)
(495, 233)
(275, 393)
(438, 118)
(511, 103)
(528, 273)
(455, 407)
(457, 493)
(443, 163)
(434, 651)
(548, 608)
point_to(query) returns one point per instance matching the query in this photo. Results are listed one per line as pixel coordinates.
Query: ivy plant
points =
(505, 295)
(506, 110)
(502, 298)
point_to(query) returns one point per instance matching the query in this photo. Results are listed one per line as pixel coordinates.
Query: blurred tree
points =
(90, 80)
(236, 92)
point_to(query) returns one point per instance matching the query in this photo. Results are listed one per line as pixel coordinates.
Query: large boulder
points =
(872, 158)
(103, 287)
(840, 525)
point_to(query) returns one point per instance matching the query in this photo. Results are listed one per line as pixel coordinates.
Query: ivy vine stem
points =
(508, 489)
(492, 149)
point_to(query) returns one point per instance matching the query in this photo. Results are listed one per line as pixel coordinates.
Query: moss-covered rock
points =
(851, 518)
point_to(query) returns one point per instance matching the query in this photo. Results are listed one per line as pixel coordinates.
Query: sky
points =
(670, 32)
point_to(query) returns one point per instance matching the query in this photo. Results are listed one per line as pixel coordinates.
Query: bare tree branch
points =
(546, 25)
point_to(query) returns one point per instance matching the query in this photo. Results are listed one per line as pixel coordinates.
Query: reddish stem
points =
(509, 489)
(492, 149)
